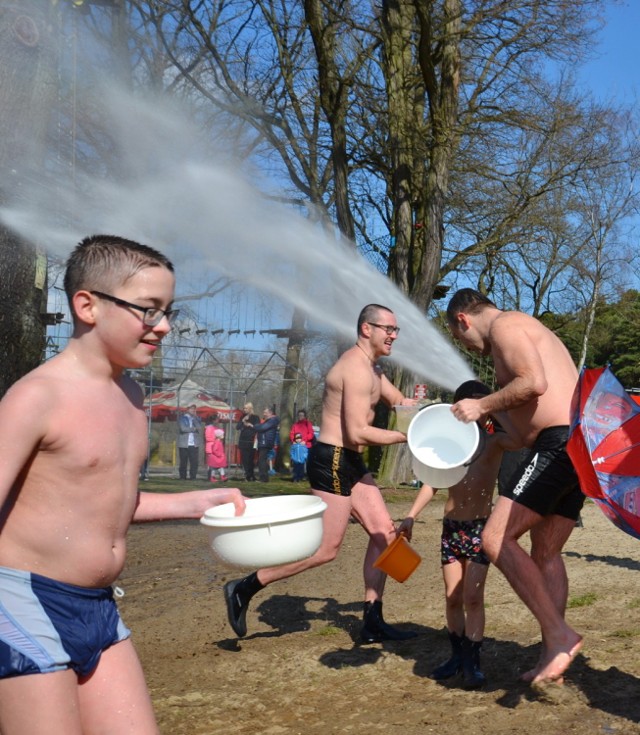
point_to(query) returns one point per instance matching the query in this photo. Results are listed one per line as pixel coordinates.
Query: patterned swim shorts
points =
(462, 540)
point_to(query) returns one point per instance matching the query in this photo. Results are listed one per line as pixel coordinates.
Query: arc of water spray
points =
(204, 215)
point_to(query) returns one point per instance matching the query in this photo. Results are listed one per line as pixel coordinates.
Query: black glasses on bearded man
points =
(151, 316)
(387, 328)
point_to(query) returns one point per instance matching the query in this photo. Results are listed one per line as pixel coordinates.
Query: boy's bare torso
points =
(471, 498)
(70, 509)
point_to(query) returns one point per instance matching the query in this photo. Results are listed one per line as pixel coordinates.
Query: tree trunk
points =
(420, 174)
(27, 92)
(289, 382)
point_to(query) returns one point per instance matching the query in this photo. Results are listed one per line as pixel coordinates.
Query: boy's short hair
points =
(104, 262)
(470, 389)
(297, 436)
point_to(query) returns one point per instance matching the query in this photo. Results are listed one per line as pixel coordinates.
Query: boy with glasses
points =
(77, 434)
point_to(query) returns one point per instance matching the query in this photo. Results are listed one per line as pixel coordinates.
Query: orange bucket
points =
(399, 560)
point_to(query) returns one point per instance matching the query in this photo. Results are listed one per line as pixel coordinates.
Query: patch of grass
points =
(633, 633)
(329, 630)
(278, 485)
(406, 494)
(582, 601)
(635, 603)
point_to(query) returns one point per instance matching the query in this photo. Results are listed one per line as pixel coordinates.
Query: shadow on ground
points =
(612, 691)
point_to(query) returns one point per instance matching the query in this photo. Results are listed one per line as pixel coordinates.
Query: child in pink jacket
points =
(215, 454)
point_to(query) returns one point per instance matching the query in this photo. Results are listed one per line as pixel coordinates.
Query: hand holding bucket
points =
(441, 445)
(404, 416)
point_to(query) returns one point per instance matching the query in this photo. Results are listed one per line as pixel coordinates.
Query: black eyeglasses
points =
(151, 316)
(387, 328)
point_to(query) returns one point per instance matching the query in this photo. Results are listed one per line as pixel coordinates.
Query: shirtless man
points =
(73, 436)
(538, 378)
(338, 475)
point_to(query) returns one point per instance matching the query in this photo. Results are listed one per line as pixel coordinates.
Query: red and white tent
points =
(177, 398)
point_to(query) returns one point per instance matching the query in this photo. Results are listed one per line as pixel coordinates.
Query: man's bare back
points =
(521, 343)
(535, 373)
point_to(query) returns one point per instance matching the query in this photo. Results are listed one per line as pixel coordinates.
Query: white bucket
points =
(442, 447)
(273, 530)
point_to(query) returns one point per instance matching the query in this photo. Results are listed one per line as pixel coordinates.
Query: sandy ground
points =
(301, 671)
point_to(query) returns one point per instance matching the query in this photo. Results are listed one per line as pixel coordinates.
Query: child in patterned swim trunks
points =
(464, 565)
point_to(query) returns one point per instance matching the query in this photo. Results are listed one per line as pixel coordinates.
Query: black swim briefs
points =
(546, 481)
(334, 469)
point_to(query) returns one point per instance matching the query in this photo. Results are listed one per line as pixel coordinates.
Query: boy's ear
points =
(84, 307)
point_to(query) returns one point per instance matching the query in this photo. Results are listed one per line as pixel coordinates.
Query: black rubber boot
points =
(472, 677)
(375, 630)
(454, 665)
(237, 595)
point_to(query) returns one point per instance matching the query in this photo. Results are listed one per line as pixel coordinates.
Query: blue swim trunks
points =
(46, 625)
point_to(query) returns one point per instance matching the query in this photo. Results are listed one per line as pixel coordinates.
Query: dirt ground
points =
(300, 670)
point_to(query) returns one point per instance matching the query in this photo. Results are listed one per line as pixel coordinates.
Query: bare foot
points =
(555, 664)
(530, 675)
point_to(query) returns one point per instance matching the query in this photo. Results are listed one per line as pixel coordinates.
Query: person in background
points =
(69, 491)
(215, 453)
(537, 378)
(189, 442)
(298, 454)
(304, 427)
(209, 436)
(273, 453)
(464, 564)
(267, 433)
(338, 475)
(246, 440)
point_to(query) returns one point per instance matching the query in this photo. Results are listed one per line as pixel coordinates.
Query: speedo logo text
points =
(526, 475)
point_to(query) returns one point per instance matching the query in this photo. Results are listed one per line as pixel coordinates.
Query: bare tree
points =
(278, 72)
(607, 197)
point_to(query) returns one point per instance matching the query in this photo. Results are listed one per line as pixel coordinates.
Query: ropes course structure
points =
(235, 376)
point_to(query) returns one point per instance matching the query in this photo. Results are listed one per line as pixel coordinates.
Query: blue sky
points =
(614, 71)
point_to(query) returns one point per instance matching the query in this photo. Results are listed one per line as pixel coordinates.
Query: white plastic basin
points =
(442, 447)
(273, 530)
